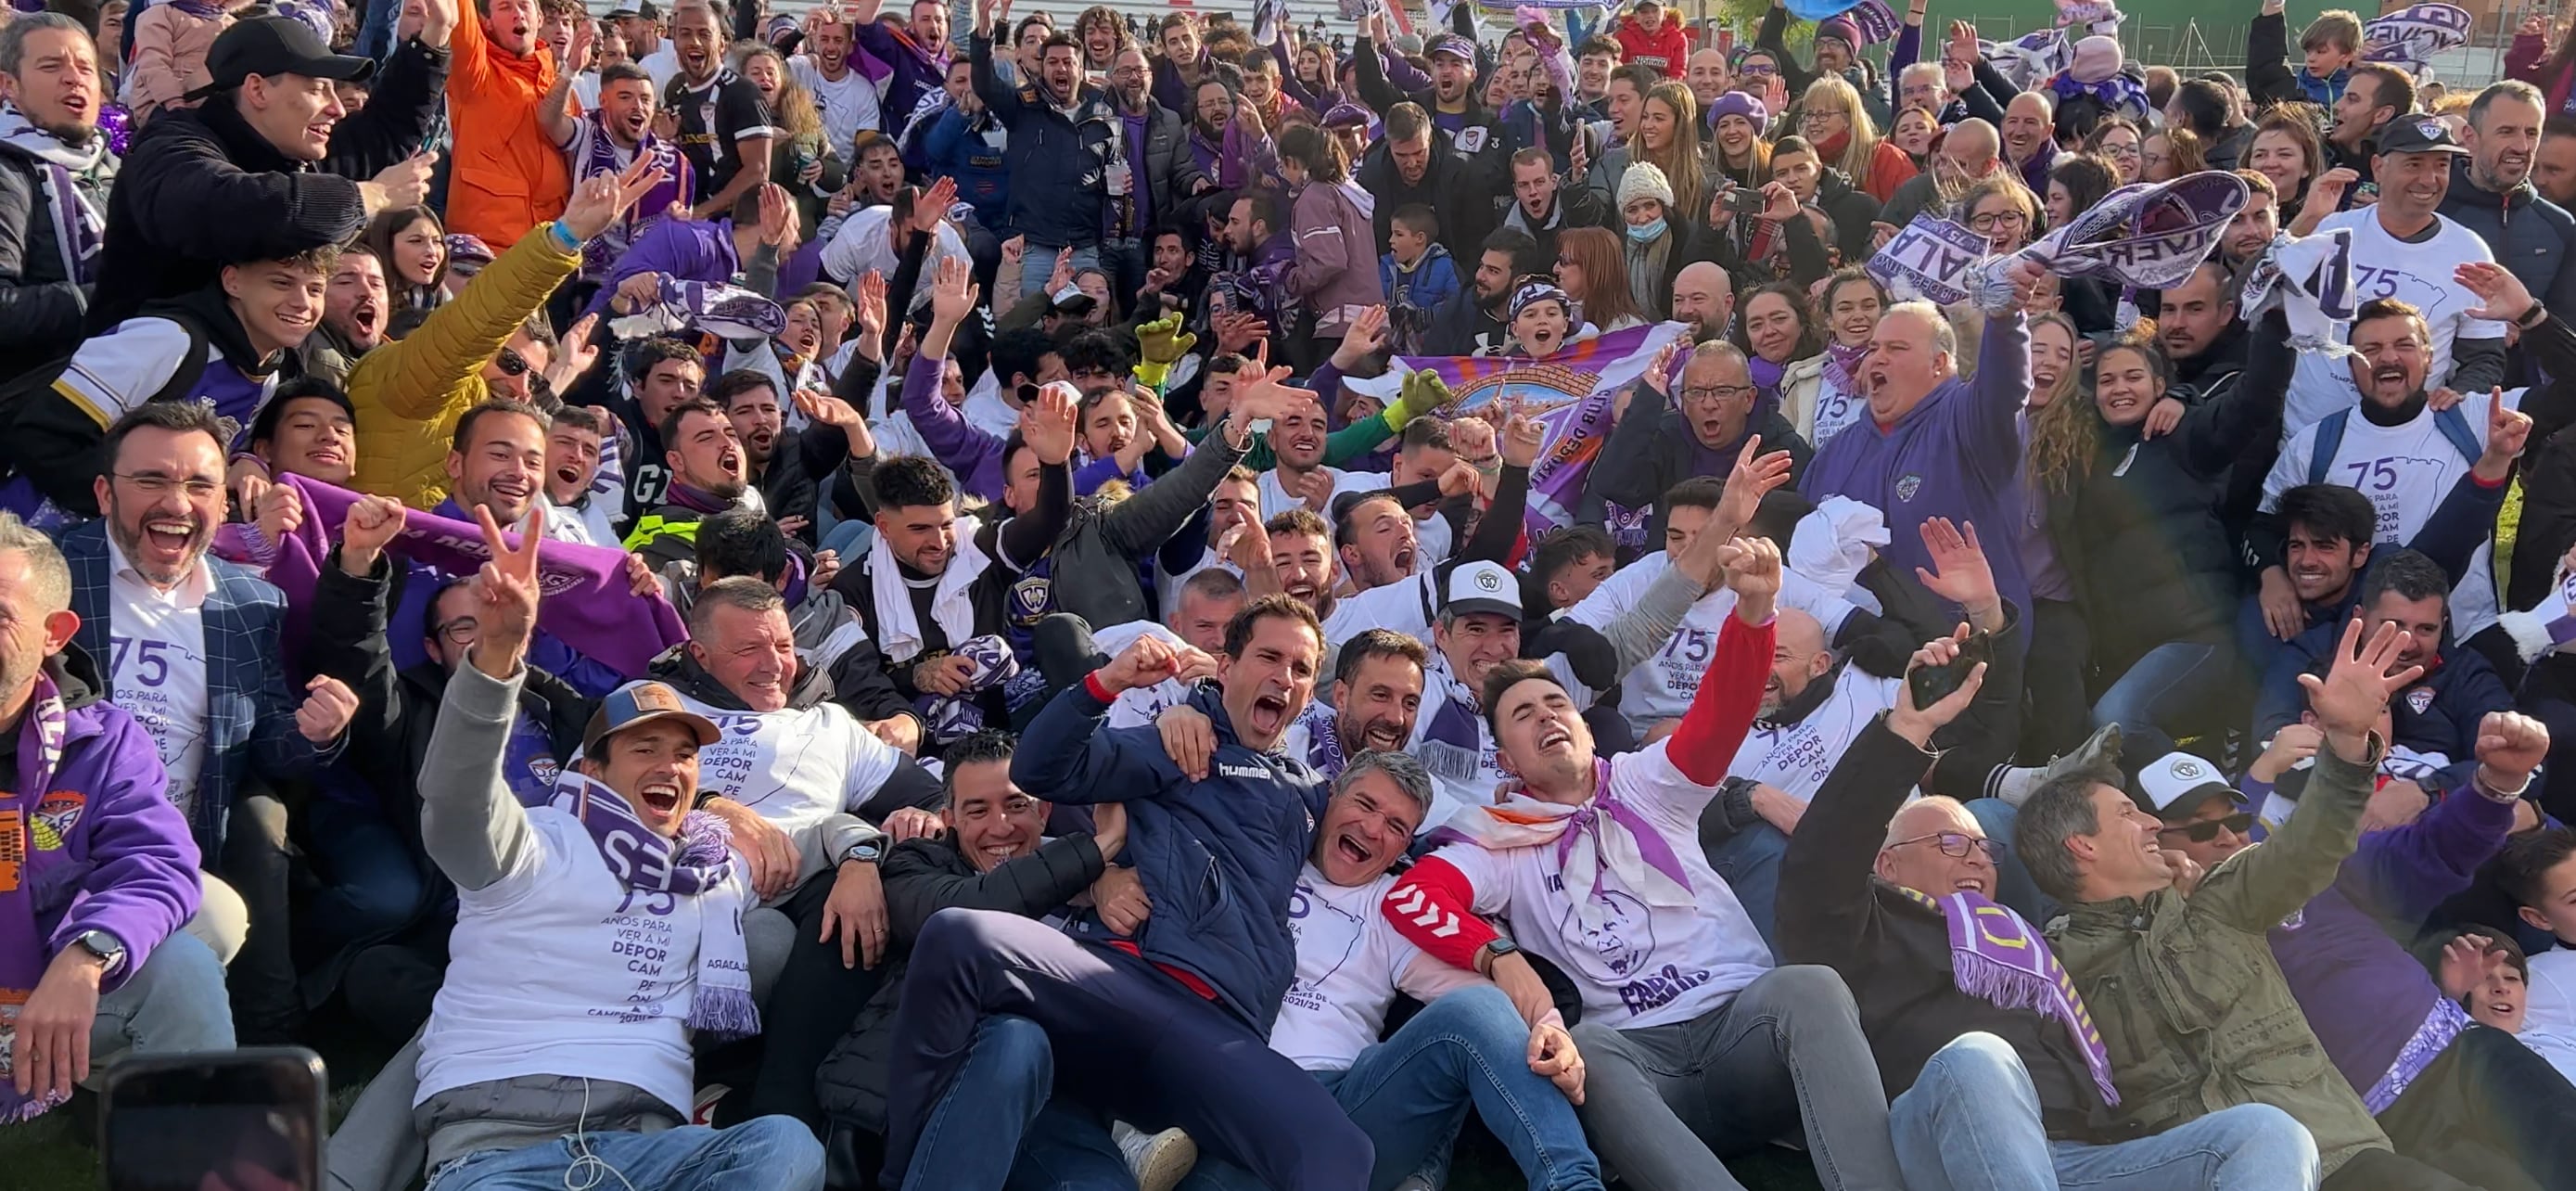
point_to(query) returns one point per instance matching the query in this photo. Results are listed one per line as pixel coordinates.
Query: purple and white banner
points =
(2313, 276)
(2409, 37)
(1929, 259)
(2147, 235)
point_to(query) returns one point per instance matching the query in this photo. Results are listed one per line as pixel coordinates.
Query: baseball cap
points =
(2417, 134)
(276, 45)
(2176, 783)
(1483, 587)
(1452, 45)
(640, 703)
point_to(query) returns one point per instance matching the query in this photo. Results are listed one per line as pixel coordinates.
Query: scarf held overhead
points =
(585, 600)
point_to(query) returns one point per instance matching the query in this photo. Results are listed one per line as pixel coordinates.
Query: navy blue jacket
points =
(1219, 857)
(1058, 167)
(2438, 713)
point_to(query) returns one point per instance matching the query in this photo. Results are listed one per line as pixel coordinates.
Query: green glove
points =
(1423, 393)
(1160, 344)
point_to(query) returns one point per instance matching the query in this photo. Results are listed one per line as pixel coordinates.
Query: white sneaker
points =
(702, 1109)
(1159, 1160)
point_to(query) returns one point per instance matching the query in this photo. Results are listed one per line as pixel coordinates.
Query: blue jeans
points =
(995, 1098)
(376, 884)
(1750, 862)
(2013, 886)
(175, 1002)
(1971, 1123)
(1037, 263)
(1412, 1091)
(764, 1154)
(376, 22)
(2167, 688)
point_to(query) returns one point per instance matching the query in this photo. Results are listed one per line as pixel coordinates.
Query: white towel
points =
(951, 606)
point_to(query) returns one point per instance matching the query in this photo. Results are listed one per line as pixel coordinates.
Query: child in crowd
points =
(1416, 271)
(2539, 873)
(170, 43)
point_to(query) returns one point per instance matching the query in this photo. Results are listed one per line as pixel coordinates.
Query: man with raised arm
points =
(1689, 1036)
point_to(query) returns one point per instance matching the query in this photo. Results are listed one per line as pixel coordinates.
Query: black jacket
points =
(41, 307)
(1654, 448)
(1852, 210)
(200, 188)
(1463, 327)
(2140, 534)
(1459, 188)
(921, 878)
(2549, 469)
(1894, 951)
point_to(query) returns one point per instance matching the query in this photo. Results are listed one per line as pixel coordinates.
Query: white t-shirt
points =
(2406, 470)
(795, 767)
(1835, 411)
(1662, 687)
(1794, 758)
(585, 90)
(2384, 266)
(1406, 605)
(1276, 499)
(157, 665)
(849, 106)
(664, 65)
(860, 247)
(1350, 965)
(2549, 1014)
(1433, 539)
(1137, 707)
(1647, 965)
(558, 969)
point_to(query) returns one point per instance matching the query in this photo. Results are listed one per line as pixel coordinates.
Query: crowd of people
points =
(1204, 604)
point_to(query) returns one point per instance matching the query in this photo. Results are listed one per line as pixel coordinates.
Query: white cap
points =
(2171, 785)
(1483, 587)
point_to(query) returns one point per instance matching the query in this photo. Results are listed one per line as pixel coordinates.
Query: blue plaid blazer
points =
(250, 716)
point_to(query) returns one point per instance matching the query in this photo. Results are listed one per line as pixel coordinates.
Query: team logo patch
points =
(2431, 129)
(1908, 485)
(2190, 769)
(55, 817)
(1030, 598)
(2419, 699)
(1487, 581)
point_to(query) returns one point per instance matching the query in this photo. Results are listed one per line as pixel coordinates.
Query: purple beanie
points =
(1738, 103)
(1841, 29)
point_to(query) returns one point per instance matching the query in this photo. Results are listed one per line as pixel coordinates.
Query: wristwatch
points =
(1494, 950)
(866, 851)
(103, 945)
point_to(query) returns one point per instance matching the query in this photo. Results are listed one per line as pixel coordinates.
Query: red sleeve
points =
(1730, 694)
(1433, 907)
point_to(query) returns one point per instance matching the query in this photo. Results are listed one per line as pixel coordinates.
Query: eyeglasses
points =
(1820, 115)
(511, 362)
(2236, 824)
(1757, 70)
(459, 631)
(1955, 844)
(1716, 394)
(152, 483)
(1995, 219)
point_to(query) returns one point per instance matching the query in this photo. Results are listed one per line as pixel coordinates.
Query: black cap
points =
(2417, 133)
(276, 45)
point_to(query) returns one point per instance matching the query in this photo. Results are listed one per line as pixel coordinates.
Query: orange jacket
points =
(508, 177)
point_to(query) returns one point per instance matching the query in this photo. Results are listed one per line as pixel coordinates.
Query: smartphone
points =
(1931, 684)
(1743, 200)
(245, 1120)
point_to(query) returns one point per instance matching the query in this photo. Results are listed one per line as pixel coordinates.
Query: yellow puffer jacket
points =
(409, 393)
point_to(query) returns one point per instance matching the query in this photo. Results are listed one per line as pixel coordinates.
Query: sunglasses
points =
(2200, 833)
(1955, 844)
(511, 362)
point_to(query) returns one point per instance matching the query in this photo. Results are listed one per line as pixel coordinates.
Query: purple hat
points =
(1840, 28)
(1738, 103)
(467, 248)
(1346, 115)
(1452, 45)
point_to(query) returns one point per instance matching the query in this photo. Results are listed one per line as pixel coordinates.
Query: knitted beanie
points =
(1645, 179)
(1739, 103)
(1840, 28)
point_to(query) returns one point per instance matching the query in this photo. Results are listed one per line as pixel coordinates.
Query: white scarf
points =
(951, 606)
(79, 226)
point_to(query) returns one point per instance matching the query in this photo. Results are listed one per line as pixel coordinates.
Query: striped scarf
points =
(1995, 956)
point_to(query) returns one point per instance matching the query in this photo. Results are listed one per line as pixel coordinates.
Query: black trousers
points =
(2490, 1112)
(2379, 1170)
(813, 1004)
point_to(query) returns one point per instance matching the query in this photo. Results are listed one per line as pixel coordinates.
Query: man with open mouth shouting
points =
(1188, 1002)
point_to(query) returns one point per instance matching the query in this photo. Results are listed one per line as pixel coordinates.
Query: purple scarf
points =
(587, 602)
(601, 158)
(1839, 362)
(1766, 375)
(1996, 957)
(696, 865)
(22, 946)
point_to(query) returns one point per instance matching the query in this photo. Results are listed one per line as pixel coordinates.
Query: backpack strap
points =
(2454, 426)
(2329, 440)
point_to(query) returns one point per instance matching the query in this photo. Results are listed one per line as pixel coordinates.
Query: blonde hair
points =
(2062, 444)
(1680, 160)
(1863, 143)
